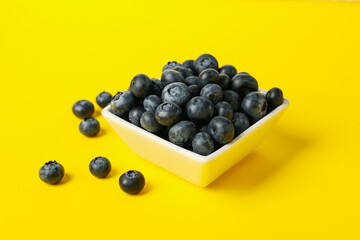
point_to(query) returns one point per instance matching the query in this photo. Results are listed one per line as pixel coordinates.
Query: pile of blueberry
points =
(196, 104)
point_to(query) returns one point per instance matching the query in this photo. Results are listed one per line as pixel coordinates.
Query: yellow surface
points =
(301, 183)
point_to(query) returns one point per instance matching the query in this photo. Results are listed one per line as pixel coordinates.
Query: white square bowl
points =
(197, 169)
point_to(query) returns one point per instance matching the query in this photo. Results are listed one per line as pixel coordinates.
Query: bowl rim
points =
(200, 158)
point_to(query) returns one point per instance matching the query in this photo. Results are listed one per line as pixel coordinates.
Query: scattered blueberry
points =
(208, 76)
(89, 126)
(229, 70)
(184, 71)
(168, 113)
(202, 144)
(213, 92)
(241, 122)
(224, 109)
(171, 76)
(192, 80)
(194, 90)
(274, 97)
(233, 98)
(52, 172)
(83, 109)
(103, 99)
(221, 130)
(224, 81)
(100, 167)
(205, 61)
(122, 103)
(243, 84)
(158, 86)
(182, 133)
(189, 64)
(176, 92)
(132, 182)
(149, 123)
(170, 65)
(141, 86)
(254, 105)
(151, 102)
(199, 109)
(135, 115)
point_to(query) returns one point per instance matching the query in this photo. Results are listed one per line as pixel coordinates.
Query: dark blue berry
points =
(254, 105)
(202, 144)
(243, 84)
(135, 115)
(176, 92)
(203, 128)
(194, 90)
(151, 102)
(241, 122)
(168, 113)
(100, 167)
(221, 130)
(132, 182)
(192, 80)
(52, 172)
(229, 70)
(213, 92)
(274, 97)
(189, 64)
(171, 76)
(182, 133)
(184, 71)
(233, 98)
(170, 65)
(208, 76)
(224, 109)
(141, 86)
(205, 61)
(199, 109)
(83, 109)
(103, 99)
(158, 86)
(149, 123)
(90, 127)
(122, 103)
(224, 81)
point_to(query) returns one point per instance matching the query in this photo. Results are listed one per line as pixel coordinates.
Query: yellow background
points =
(301, 183)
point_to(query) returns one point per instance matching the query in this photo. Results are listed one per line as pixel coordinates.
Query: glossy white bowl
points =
(197, 169)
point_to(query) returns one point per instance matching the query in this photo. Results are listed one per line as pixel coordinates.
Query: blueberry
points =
(224, 81)
(168, 113)
(192, 80)
(151, 102)
(52, 172)
(103, 99)
(182, 133)
(254, 105)
(274, 97)
(132, 182)
(194, 90)
(184, 71)
(90, 127)
(177, 93)
(199, 109)
(83, 109)
(221, 130)
(202, 144)
(229, 70)
(170, 65)
(189, 64)
(243, 84)
(135, 115)
(122, 103)
(149, 123)
(203, 128)
(100, 167)
(208, 76)
(205, 61)
(141, 86)
(213, 92)
(241, 122)
(233, 98)
(224, 109)
(171, 76)
(158, 86)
